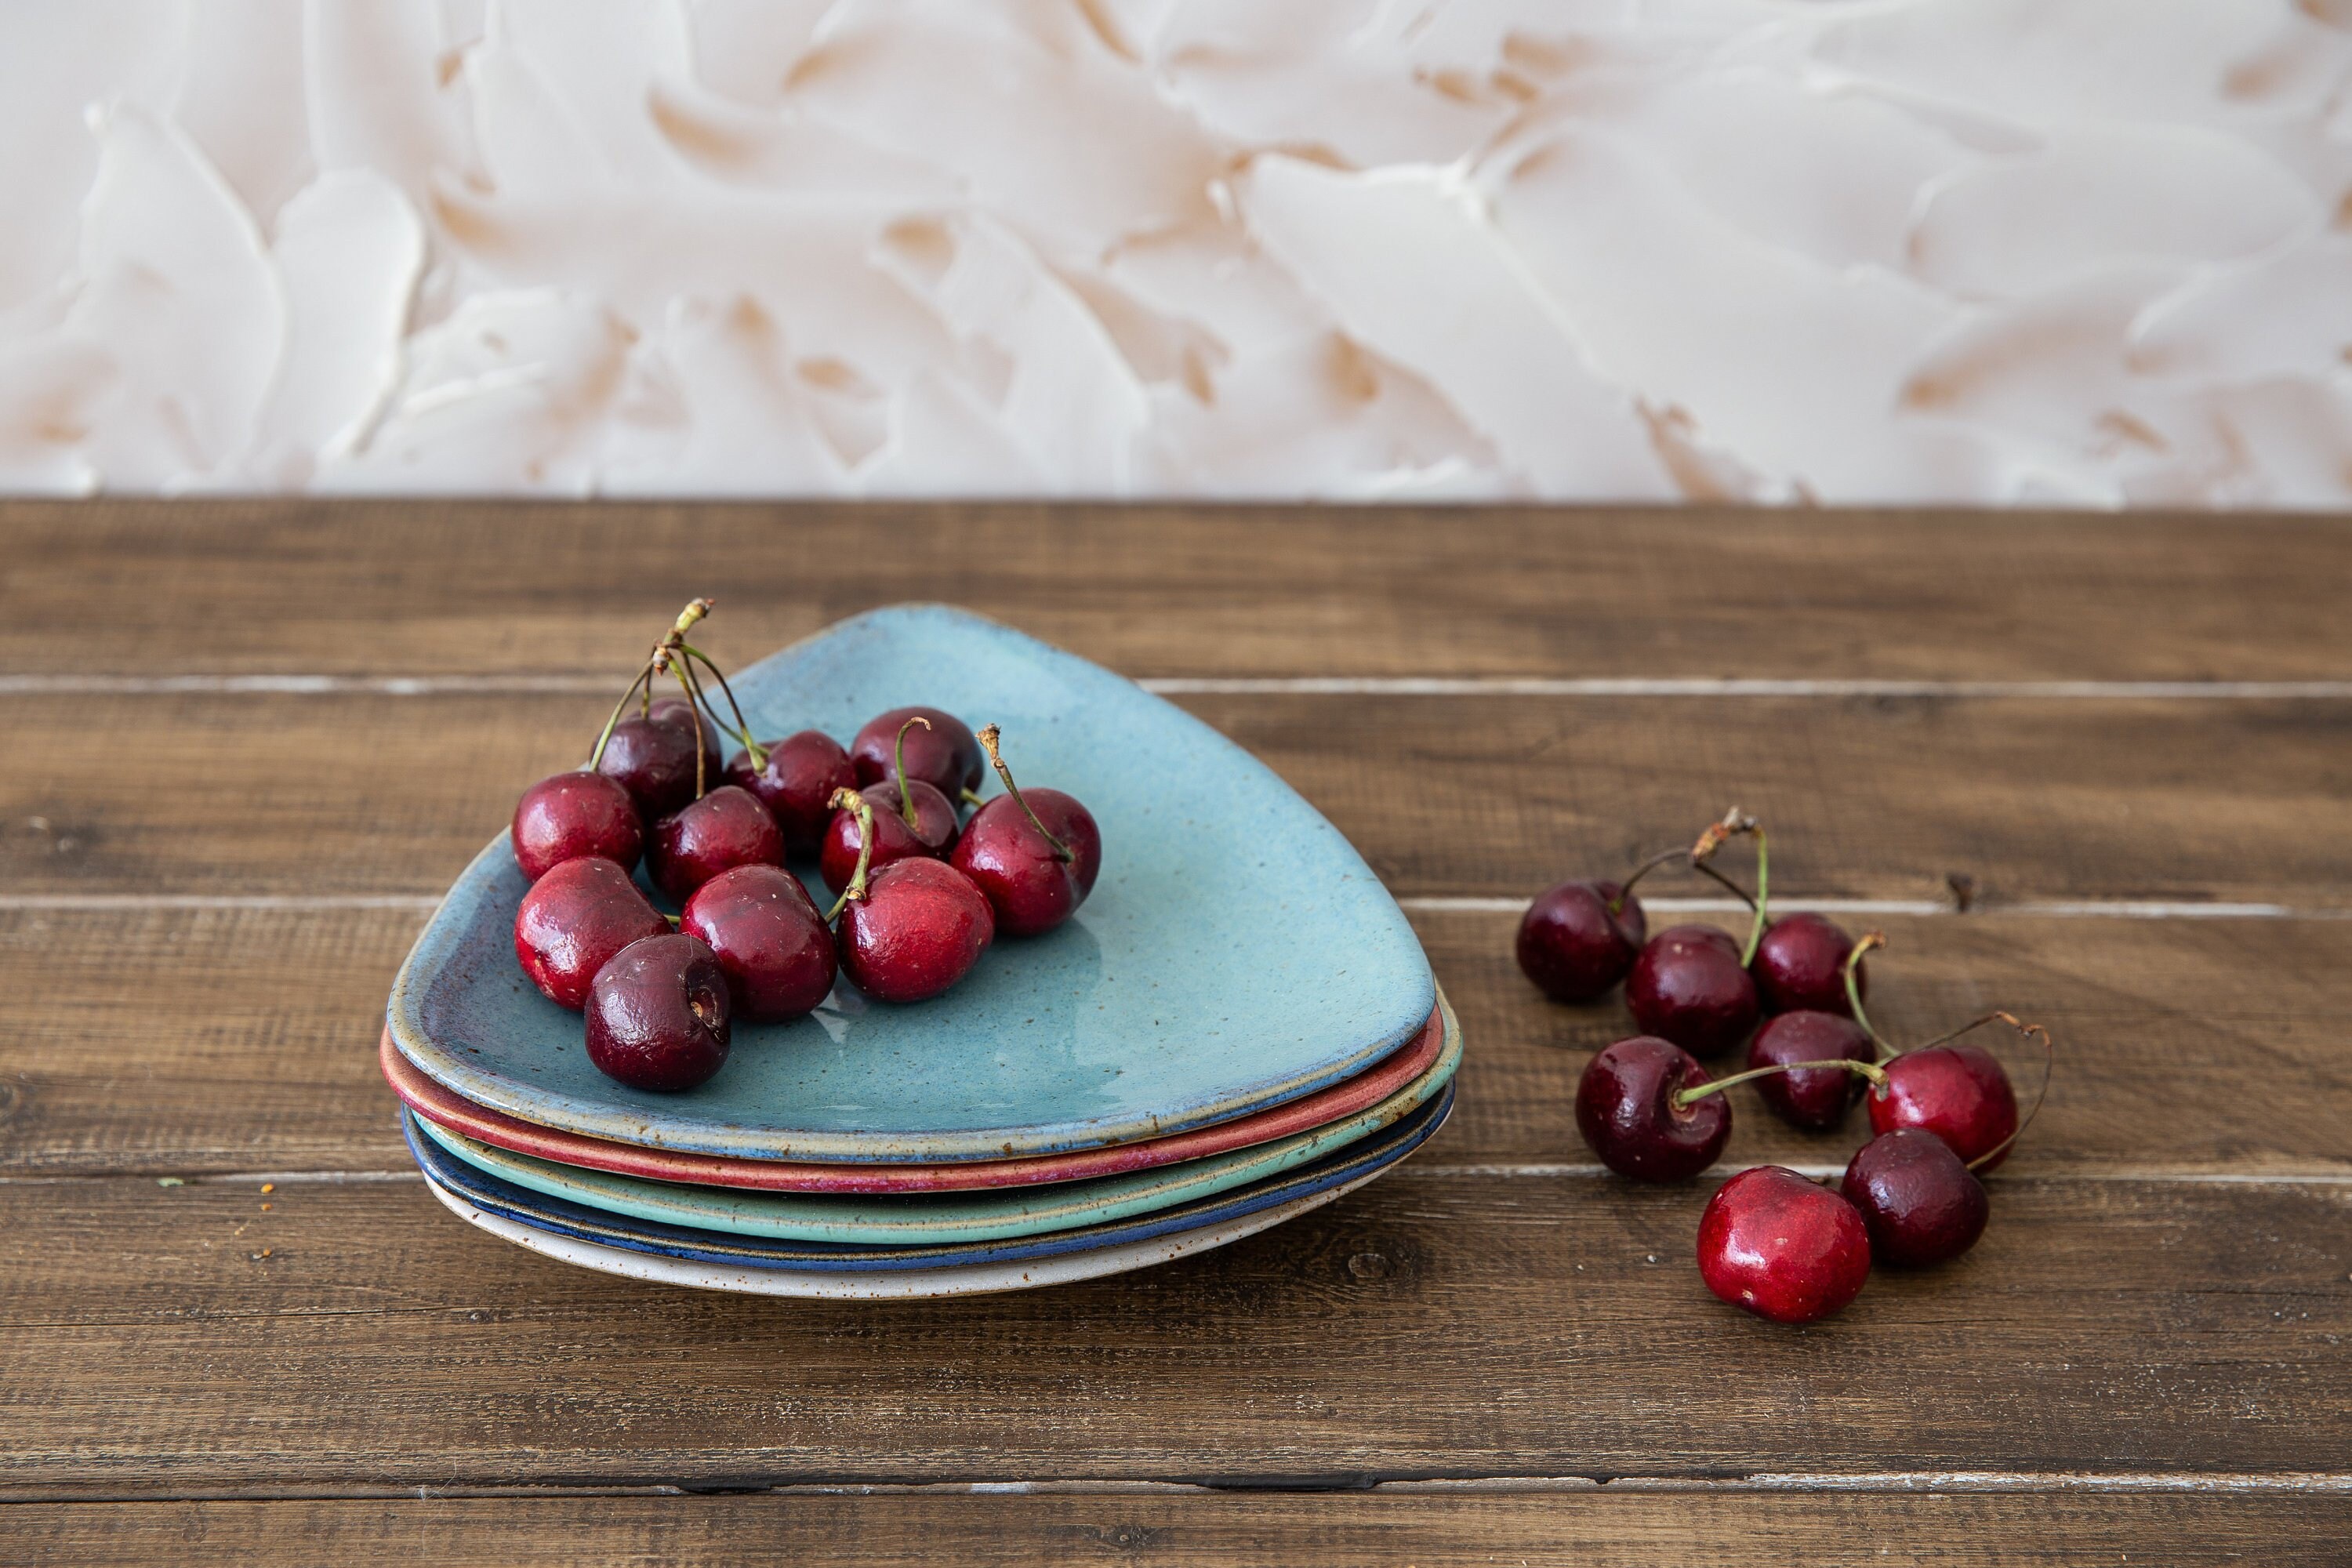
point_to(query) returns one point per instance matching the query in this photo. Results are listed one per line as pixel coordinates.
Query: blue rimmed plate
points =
(1236, 953)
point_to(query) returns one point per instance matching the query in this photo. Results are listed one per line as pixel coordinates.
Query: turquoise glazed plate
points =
(1237, 953)
(987, 1216)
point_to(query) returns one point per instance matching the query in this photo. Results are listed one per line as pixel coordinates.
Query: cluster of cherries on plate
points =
(922, 888)
(1770, 1240)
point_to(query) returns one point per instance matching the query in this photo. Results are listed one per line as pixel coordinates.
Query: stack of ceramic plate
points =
(1237, 1027)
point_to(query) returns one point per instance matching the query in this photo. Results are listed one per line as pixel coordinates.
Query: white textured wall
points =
(2092, 251)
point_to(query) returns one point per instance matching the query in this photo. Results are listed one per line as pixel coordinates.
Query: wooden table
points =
(249, 743)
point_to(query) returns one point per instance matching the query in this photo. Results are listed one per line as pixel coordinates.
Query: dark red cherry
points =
(1687, 986)
(1782, 1247)
(798, 785)
(1816, 1099)
(919, 928)
(1625, 1109)
(725, 829)
(1031, 889)
(1958, 1092)
(572, 922)
(573, 816)
(659, 1017)
(1572, 947)
(933, 836)
(677, 710)
(770, 939)
(1920, 1202)
(654, 759)
(946, 756)
(1800, 963)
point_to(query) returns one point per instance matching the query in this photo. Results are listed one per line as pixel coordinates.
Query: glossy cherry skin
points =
(1958, 1092)
(725, 829)
(946, 756)
(677, 710)
(660, 1017)
(931, 838)
(575, 815)
(572, 922)
(1800, 963)
(1031, 889)
(797, 786)
(1625, 1109)
(1818, 1098)
(1919, 1202)
(919, 928)
(1782, 1247)
(770, 939)
(654, 758)
(1572, 947)
(1687, 986)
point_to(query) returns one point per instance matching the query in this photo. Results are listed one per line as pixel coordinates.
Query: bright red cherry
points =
(725, 829)
(572, 815)
(572, 922)
(1816, 1099)
(1627, 1108)
(1958, 1092)
(1034, 854)
(945, 756)
(1920, 1202)
(1800, 963)
(921, 927)
(1782, 1247)
(770, 939)
(931, 838)
(797, 786)
(1573, 946)
(658, 1017)
(1687, 986)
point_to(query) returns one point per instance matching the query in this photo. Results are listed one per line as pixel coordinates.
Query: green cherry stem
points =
(1737, 822)
(742, 729)
(694, 715)
(990, 735)
(643, 673)
(971, 797)
(1625, 889)
(906, 795)
(1871, 1071)
(1870, 940)
(2049, 1066)
(851, 801)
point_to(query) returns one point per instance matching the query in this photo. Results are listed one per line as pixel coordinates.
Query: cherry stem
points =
(1871, 1071)
(1617, 905)
(1703, 869)
(971, 797)
(693, 715)
(849, 800)
(597, 755)
(906, 795)
(990, 735)
(742, 731)
(2049, 1066)
(1870, 939)
(656, 661)
(1737, 822)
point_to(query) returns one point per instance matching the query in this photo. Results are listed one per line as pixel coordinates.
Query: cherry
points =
(1687, 985)
(919, 928)
(575, 815)
(1958, 1092)
(725, 829)
(658, 1015)
(1629, 1107)
(1921, 1204)
(946, 755)
(910, 818)
(796, 782)
(1782, 1247)
(655, 759)
(1816, 1099)
(768, 936)
(677, 710)
(1579, 938)
(1799, 963)
(1036, 856)
(572, 922)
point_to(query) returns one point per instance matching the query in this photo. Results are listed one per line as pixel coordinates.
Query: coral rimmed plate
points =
(505, 1199)
(1339, 1101)
(1237, 953)
(940, 1217)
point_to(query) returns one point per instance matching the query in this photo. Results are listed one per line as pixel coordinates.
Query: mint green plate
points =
(902, 1221)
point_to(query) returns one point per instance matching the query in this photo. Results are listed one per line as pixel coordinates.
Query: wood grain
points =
(1595, 1529)
(402, 587)
(245, 1040)
(162, 1341)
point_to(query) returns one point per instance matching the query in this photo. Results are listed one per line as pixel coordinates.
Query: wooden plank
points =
(186, 1340)
(2036, 799)
(1595, 1529)
(244, 1040)
(403, 587)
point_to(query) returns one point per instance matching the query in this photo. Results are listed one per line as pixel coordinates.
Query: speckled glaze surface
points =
(949, 1217)
(1236, 953)
(1367, 1156)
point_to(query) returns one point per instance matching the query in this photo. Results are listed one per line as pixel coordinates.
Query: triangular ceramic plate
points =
(1237, 953)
